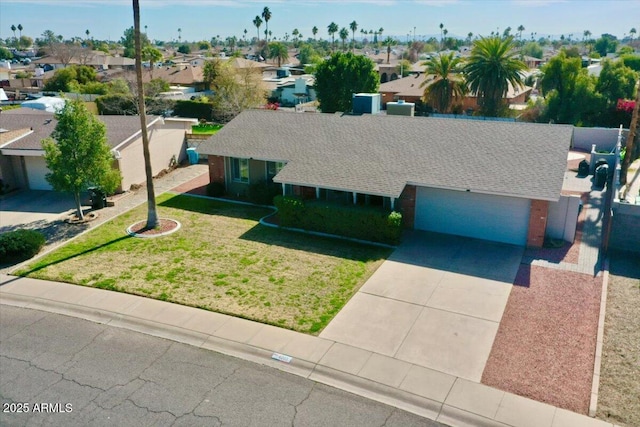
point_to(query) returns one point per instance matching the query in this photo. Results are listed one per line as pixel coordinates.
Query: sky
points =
(204, 19)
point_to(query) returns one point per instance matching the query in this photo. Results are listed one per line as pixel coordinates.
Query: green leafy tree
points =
(490, 69)
(308, 55)
(606, 44)
(279, 52)
(185, 49)
(128, 42)
(342, 75)
(403, 69)
(631, 61)
(616, 81)
(5, 53)
(447, 84)
(77, 154)
(532, 49)
(210, 72)
(332, 29)
(62, 80)
(570, 93)
(204, 45)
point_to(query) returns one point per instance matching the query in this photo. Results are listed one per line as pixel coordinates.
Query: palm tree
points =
(87, 32)
(295, 33)
(632, 33)
(354, 27)
(266, 14)
(153, 55)
(441, 27)
(344, 35)
(314, 31)
(469, 37)
(520, 30)
(388, 42)
(332, 29)
(490, 69)
(279, 52)
(13, 28)
(152, 213)
(179, 34)
(257, 21)
(20, 27)
(445, 86)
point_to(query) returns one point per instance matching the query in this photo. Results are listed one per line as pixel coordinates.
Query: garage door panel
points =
(482, 216)
(36, 172)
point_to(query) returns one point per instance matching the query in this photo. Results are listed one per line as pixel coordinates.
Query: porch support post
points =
(283, 189)
(317, 192)
(393, 202)
(355, 197)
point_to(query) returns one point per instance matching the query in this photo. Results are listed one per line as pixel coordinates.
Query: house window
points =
(273, 168)
(240, 169)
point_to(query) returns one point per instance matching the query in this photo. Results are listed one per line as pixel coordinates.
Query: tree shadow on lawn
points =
(215, 207)
(40, 265)
(316, 244)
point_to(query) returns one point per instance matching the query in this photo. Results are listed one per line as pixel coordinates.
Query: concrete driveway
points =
(436, 302)
(33, 209)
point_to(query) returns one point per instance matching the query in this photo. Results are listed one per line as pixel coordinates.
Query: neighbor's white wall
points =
(165, 141)
(562, 218)
(604, 138)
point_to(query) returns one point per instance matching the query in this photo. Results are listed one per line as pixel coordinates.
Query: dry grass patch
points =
(221, 259)
(619, 397)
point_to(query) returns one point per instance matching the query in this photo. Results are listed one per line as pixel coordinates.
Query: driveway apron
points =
(436, 302)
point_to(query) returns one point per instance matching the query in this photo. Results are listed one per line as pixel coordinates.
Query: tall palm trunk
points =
(152, 213)
(630, 140)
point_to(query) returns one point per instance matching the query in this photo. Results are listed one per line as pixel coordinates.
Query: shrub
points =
(360, 222)
(215, 189)
(262, 193)
(194, 109)
(20, 245)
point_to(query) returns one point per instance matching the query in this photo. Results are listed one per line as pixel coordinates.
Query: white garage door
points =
(36, 171)
(483, 216)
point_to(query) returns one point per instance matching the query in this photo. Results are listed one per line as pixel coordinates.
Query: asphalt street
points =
(61, 371)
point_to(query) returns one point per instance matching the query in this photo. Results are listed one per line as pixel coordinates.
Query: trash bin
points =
(601, 175)
(193, 155)
(583, 168)
(98, 198)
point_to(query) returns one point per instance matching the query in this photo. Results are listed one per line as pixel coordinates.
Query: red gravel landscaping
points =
(545, 345)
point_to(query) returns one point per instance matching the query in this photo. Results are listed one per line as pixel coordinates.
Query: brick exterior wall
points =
(304, 192)
(408, 206)
(537, 223)
(216, 169)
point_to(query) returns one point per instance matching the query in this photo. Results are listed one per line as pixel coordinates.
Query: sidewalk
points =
(425, 392)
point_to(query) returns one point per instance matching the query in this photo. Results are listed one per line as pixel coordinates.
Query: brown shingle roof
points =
(119, 128)
(381, 154)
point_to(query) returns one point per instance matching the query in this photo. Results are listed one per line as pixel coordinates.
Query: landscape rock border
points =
(166, 227)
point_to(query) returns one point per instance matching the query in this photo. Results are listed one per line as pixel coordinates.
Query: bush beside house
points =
(19, 245)
(359, 222)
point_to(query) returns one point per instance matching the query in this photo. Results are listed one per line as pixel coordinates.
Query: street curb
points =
(369, 389)
(595, 385)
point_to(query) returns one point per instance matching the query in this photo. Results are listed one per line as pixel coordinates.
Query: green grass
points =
(221, 259)
(205, 129)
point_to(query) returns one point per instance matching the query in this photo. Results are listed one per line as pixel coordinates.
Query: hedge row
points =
(366, 223)
(19, 245)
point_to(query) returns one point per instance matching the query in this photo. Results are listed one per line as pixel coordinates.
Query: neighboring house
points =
(292, 90)
(177, 75)
(410, 89)
(22, 163)
(95, 58)
(489, 180)
(531, 61)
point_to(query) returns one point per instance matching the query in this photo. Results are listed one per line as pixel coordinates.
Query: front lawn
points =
(205, 129)
(221, 259)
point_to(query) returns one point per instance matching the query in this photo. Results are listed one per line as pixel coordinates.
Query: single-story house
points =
(22, 163)
(484, 179)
